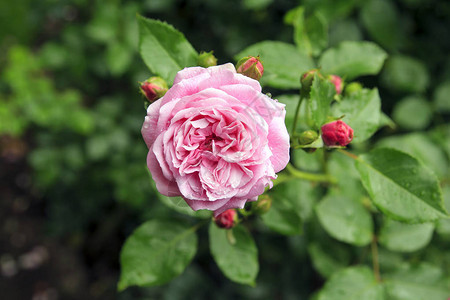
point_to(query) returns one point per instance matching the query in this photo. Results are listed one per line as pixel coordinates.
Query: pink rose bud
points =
(251, 67)
(206, 59)
(154, 88)
(338, 83)
(227, 219)
(336, 133)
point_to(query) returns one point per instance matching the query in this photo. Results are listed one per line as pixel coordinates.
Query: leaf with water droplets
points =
(345, 219)
(401, 237)
(403, 195)
(156, 252)
(352, 283)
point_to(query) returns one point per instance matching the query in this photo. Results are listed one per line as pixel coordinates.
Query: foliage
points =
(375, 225)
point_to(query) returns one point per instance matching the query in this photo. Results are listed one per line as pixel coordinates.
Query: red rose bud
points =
(154, 88)
(206, 59)
(227, 219)
(338, 83)
(336, 133)
(250, 66)
(306, 81)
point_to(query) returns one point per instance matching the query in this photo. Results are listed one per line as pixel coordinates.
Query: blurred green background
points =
(74, 183)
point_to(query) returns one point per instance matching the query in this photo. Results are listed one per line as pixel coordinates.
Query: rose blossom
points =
(215, 139)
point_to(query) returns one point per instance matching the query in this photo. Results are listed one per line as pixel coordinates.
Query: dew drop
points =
(407, 184)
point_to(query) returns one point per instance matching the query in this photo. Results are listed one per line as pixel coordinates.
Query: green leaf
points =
(443, 225)
(402, 237)
(353, 283)
(421, 147)
(361, 111)
(311, 162)
(118, 58)
(178, 204)
(322, 92)
(401, 186)
(352, 59)
(348, 183)
(164, 49)
(423, 281)
(332, 10)
(257, 4)
(345, 219)
(291, 102)
(327, 262)
(381, 20)
(293, 201)
(156, 252)
(311, 33)
(440, 100)
(413, 112)
(386, 121)
(344, 30)
(283, 64)
(238, 261)
(283, 218)
(405, 74)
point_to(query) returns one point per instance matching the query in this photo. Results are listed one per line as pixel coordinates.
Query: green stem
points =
(349, 154)
(309, 176)
(375, 262)
(297, 112)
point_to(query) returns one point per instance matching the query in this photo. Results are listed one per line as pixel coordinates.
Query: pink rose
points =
(215, 139)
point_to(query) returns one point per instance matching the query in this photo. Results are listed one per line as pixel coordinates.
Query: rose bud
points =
(338, 83)
(263, 204)
(250, 66)
(306, 81)
(154, 88)
(352, 88)
(227, 219)
(336, 133)
(206, 59)
(307, 137)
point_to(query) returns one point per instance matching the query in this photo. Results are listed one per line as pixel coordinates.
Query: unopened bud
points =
(227, 219)
(263, 204)
(353, 87)
(154, 88)
(250, 66)
(306, 81)
(307, 137)
(206, 59)
(336, 134)
(338, 83)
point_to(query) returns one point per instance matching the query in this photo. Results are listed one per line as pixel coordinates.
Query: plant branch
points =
(309, 176)
(349, 154)
(375, 262)
(297, 112)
